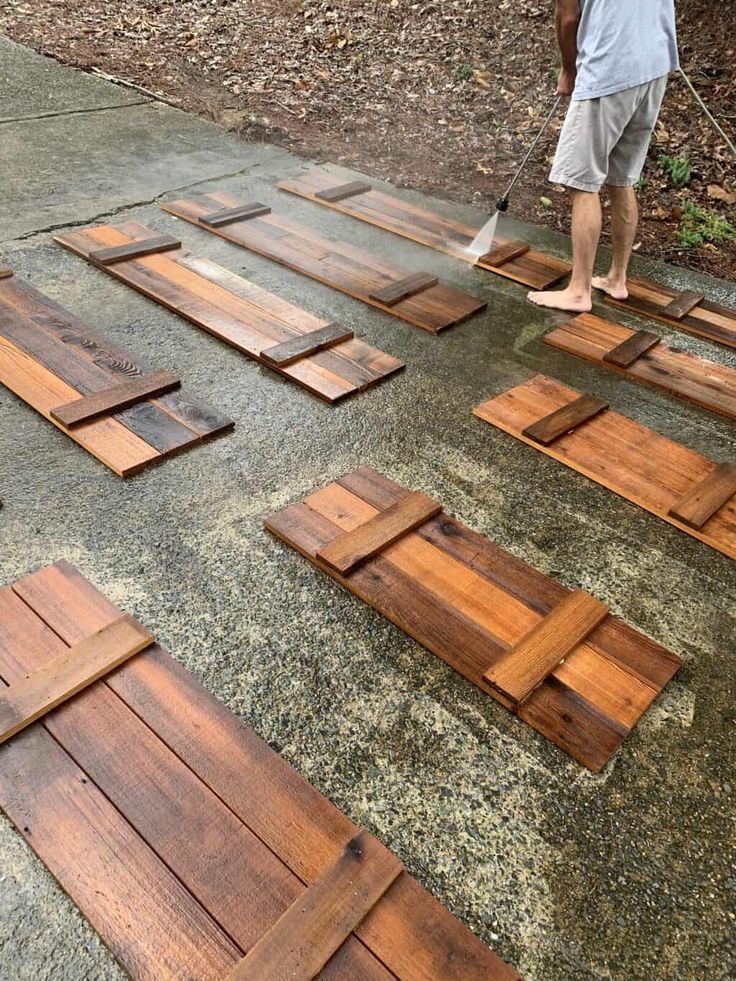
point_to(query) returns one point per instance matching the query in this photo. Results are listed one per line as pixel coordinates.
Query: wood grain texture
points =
(379, 532)
(680, 373)
(134, 250)
(402, 289)
(683, 304)
(301, 346)
(115, 399)
(504, 253)
(342, 191)
(698, 505)
(334, 263)
(565, 419)
(226, 216)
(709, 320)
(526, 665)
(69, 673)
(252, 833)
(618, 453)
(419, 224)
(301, 943)
(470, 602)
(628, 351)
(240, 313)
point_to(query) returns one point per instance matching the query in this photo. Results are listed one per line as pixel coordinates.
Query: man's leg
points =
(624, 222)
(586, 231)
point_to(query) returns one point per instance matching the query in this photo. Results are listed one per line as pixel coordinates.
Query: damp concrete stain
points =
(624, 875)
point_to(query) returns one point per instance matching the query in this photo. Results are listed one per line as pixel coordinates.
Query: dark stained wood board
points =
(550, 427)
(337, 264)
(531, 268)
(703, 500)
(706, 383)
(116, 398)
(618, 453)
(145, 794)
(238, 312)
(49, 357)
(708, 320)
(469, 602)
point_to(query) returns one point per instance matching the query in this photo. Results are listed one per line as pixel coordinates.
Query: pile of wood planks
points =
(193, 849)
(98, 394)
(580, 677)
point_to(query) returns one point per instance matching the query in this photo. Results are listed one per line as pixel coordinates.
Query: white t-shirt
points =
(623, 43)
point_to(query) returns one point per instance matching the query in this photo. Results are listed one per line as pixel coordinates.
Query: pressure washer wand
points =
(483, 241)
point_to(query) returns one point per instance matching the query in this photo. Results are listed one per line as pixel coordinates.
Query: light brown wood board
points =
(678, 372)
(618, 453)
(237, 311)
(469, 602)
(334, 263)
(534, 269)
(180, 835)
(49, 357)
(709, 320)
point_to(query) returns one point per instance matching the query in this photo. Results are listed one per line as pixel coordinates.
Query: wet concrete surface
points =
(629, 874)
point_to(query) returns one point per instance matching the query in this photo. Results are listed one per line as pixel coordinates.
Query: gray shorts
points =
(605, 140)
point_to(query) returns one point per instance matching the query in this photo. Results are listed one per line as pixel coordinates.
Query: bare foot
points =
(562, 300)
(614, 288)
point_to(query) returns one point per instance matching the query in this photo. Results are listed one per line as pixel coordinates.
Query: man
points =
(616, 55)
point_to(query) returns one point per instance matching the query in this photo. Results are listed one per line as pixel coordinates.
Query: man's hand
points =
(566, 83)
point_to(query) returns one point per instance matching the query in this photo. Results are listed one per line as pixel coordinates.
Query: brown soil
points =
(439, 95)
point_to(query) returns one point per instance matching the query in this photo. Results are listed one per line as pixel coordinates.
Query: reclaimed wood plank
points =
(402, 289)
(529, 662)
(709, 320)
(565, 419)
(505, 253)
(701, 502)
(380, 531)
(225, 216)
(411, 933)
(622, 455)
(628, 351)
(134, 250)
(336, 264)
(240, 313)
(683, 304)
(112, 400)
(343, 191)
(296, 348)
(687, 376)
(67, 674)
(419, 224)
(301, 943)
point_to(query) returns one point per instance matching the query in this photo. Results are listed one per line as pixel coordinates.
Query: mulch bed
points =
(439, 96)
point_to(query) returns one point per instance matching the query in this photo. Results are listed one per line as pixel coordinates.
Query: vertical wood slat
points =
(64, 676)
(308, 934)
(528, 663)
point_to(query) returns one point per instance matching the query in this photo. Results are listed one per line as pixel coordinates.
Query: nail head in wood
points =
(549, 428)
(380, 531)
(683, 304)
(134, 250)
(342, 191)
(504, 253)
(64, 676)
(529, 662)
(402, 289)
(302, 345)
(630, 350)
(707, 497)
(226, 216)
(115, 399)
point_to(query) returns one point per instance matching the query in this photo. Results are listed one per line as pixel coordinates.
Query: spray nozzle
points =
(502, 204)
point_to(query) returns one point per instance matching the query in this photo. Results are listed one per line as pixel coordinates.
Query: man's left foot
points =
(562, 300)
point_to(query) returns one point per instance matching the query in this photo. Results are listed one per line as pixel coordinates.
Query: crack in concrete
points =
(73, 112)
(126, 207)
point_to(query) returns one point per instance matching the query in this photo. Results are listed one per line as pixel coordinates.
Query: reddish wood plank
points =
(565, 419)
(708, 496)
(379, 532)
(312, 929)
(115, 399)
(504, 253)
(528, 663)
(402, 289)
(134, 250)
